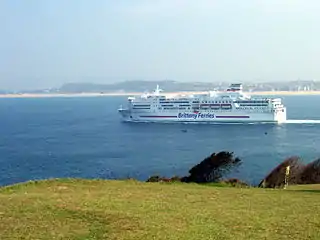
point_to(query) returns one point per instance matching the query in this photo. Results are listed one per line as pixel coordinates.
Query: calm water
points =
(84, 137)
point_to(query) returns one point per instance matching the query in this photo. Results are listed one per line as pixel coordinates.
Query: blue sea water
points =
(84, 137)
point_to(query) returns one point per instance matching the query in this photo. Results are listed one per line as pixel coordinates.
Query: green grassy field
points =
(98, 209)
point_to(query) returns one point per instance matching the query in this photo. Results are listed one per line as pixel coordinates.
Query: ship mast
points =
(157, 90)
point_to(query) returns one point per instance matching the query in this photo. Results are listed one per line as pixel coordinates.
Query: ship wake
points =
(289, 121)
(302, 121)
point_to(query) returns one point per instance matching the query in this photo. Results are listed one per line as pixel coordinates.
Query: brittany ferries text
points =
(195, 115)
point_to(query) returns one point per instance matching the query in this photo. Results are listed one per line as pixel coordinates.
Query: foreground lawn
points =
(97, 209)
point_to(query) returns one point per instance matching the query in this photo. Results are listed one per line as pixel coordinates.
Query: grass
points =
(99, 209)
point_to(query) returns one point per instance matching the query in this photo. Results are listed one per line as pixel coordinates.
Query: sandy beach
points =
(40, 95)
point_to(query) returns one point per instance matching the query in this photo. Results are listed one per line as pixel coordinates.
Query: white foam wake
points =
(303, 121)
(289, 121)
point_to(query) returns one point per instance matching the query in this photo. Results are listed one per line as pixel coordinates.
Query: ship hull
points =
(204, 117)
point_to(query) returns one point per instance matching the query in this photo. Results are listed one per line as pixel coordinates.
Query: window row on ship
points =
(254, 105)
(216, 101)
(227, 101)
(174, 102)
(188, 105)
(168, 106)
(251, 101)
(210, 110)
(172, 106)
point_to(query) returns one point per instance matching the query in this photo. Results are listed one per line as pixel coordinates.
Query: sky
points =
(48, 43)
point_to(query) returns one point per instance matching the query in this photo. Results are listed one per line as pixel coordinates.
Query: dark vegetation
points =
(213, 169)
(299, 173)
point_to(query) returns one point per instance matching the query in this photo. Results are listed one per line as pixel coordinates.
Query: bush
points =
(234, 182)
(212, 168)
(299, 173)
(163, 179)
(310, 173)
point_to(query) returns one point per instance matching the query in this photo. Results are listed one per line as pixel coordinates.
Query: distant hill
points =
(173, 86)
(136, 86)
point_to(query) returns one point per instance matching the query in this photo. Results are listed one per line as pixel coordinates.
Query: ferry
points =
(229, 105)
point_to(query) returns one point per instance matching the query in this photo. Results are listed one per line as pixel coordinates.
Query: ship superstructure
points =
(230, 105)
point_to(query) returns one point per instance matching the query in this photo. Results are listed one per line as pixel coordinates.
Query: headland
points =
(128, 209)
(197, 206)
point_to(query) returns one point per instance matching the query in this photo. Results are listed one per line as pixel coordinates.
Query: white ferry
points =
(230, 105)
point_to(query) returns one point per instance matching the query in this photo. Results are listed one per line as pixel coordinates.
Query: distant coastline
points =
(48, 95)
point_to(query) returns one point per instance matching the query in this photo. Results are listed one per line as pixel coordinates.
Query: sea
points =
(84, 137)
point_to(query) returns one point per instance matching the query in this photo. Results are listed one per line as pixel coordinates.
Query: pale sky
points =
(45, 43)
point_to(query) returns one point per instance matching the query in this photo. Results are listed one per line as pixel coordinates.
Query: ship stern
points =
(280, 115)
